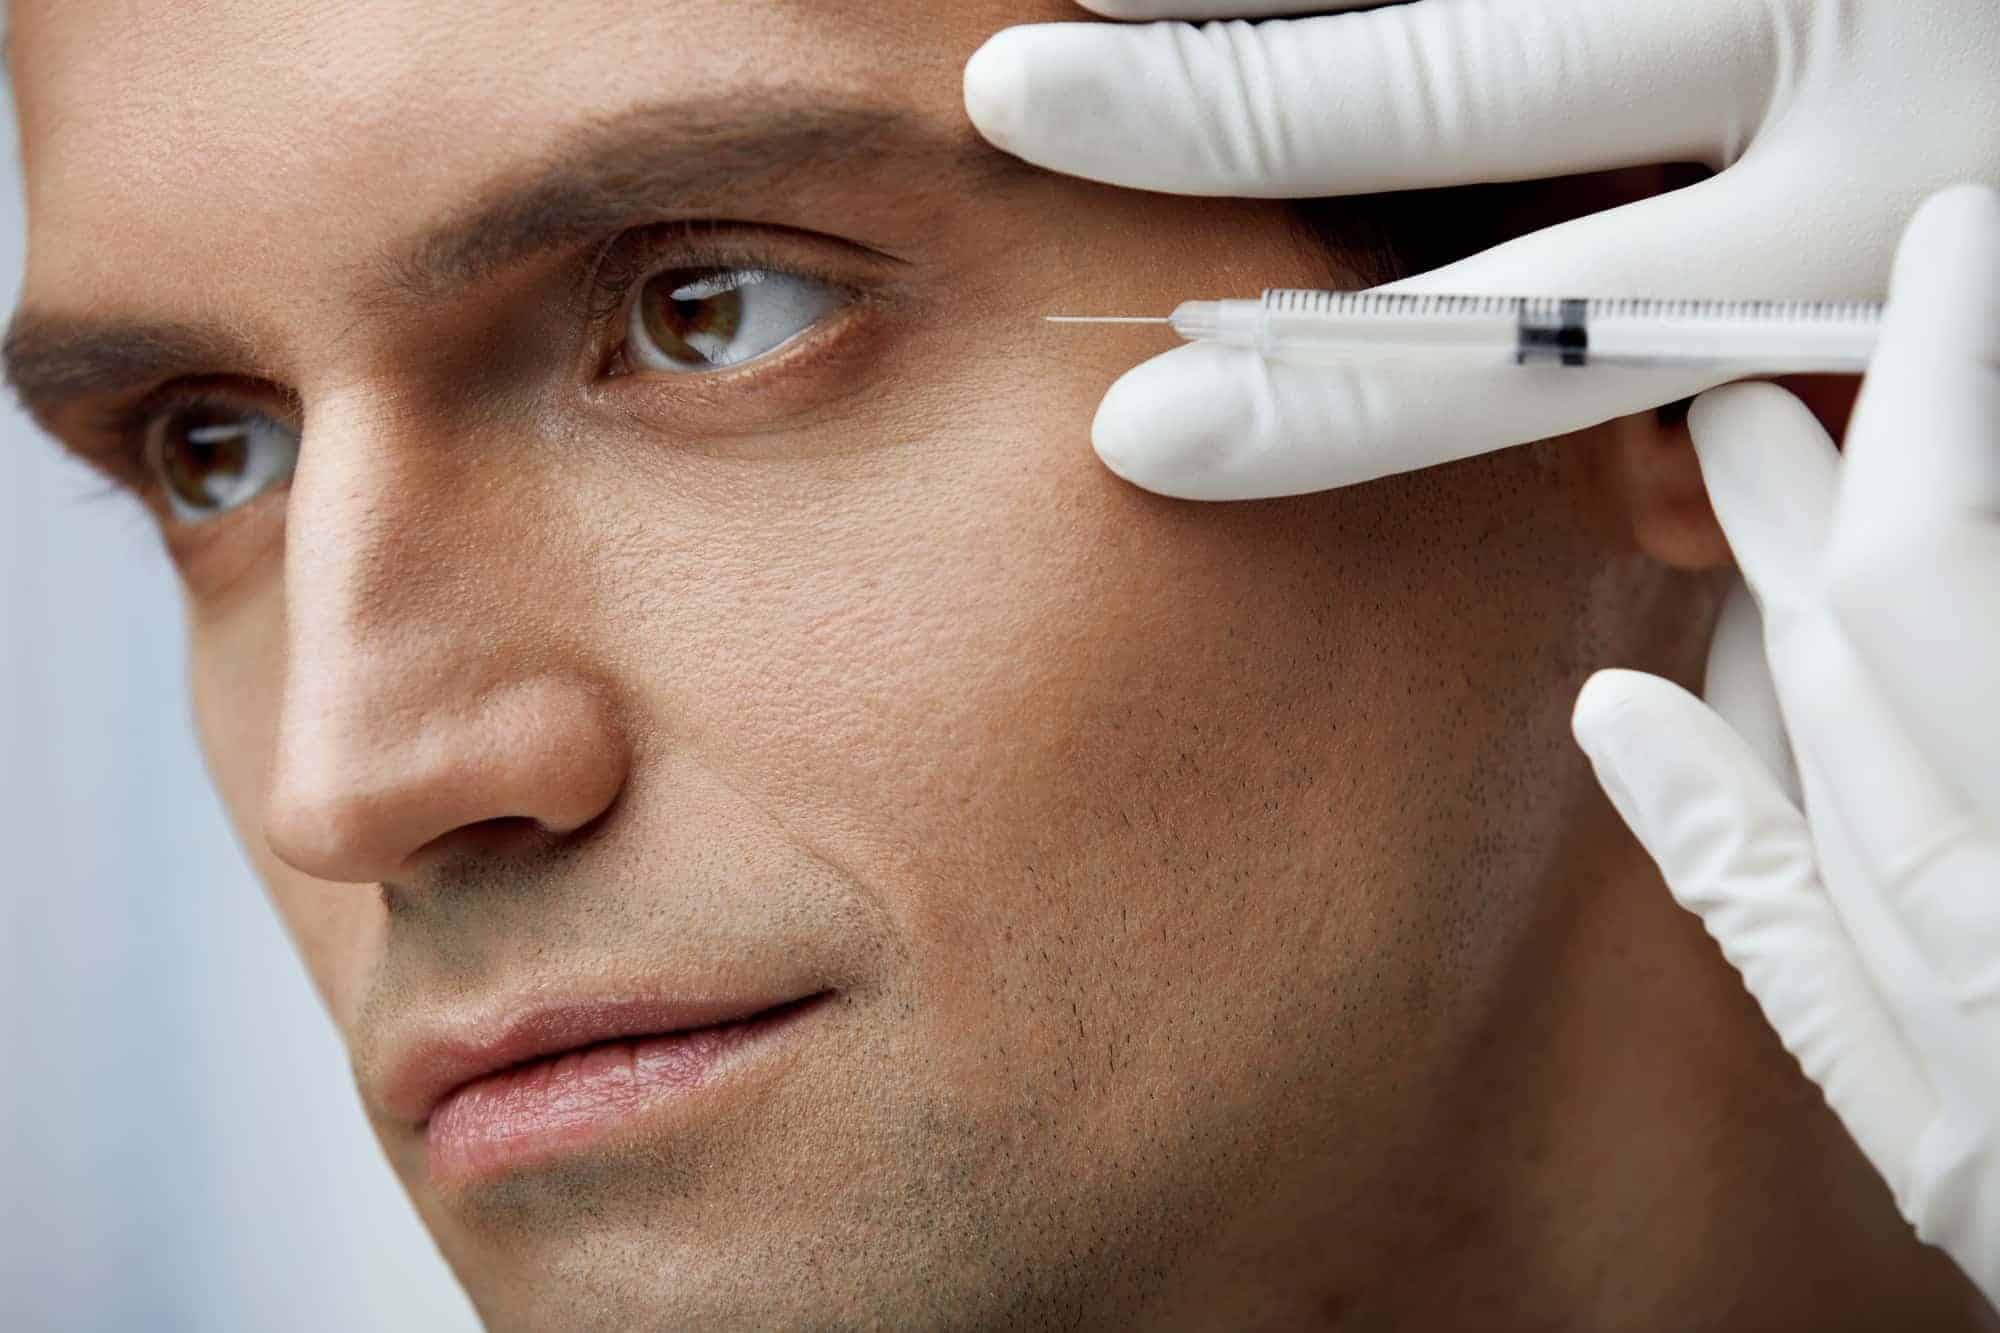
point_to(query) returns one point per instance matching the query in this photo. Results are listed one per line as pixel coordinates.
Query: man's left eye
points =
(689, 320)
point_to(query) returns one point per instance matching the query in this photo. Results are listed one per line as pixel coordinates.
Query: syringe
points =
(1751, 337)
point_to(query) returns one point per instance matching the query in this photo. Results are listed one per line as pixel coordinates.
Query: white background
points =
(180, 1144)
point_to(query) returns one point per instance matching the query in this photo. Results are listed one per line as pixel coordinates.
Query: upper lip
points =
(427, 1070)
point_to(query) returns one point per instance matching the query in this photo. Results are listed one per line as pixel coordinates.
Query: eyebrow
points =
(618, 171)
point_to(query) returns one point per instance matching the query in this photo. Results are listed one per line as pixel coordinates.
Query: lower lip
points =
(539, 1111)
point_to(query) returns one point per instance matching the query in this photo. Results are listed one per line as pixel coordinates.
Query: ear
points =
(1655, 478)
(1653, 482)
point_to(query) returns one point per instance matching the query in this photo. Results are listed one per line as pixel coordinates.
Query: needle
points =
(1103, 319)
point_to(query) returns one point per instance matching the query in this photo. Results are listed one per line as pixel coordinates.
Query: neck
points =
(1646, 1154)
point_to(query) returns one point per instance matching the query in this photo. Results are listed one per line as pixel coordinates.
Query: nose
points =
(430, 694)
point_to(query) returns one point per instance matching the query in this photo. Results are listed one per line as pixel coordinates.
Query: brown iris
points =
(692, 316)
(204, 454)
(210, 456)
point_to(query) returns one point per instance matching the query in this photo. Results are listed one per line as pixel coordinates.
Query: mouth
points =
(555, 1080)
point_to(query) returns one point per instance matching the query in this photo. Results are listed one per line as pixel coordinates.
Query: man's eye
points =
(211, 457)
(688, 320)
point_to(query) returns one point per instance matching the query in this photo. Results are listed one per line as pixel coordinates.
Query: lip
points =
(531, 1113)
(442, 1064)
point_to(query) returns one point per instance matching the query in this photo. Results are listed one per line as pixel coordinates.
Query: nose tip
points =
(359, 794)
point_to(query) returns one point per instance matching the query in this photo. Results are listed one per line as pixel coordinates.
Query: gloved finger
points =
(1417, 95)
(1698, 242)
(1740, 689)
(1200, 423)
(1772, 474)
(1915, 558)
(1738, 854)
(1207, 422)
(1219, 9)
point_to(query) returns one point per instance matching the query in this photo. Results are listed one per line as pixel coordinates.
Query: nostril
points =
(378, 768)
(509, 836)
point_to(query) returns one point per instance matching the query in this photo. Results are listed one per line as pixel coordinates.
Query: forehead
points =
(319, 125)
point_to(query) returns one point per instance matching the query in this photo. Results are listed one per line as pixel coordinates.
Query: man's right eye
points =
(212, 457)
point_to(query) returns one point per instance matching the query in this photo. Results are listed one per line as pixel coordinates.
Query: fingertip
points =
(996, 91)
(1601, 696)
(1760, 445)
(1945, 296)
(1955, 226)
(1068, 97)
(1615, 723)
(1772, 473)
(1920, 453)
(1610, 706)
(1169, 425)
(1968, 203)
(1763, 440)
(1750, 408)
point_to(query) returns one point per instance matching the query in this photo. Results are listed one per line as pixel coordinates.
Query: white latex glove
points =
(1829, 120)
(1867, 920)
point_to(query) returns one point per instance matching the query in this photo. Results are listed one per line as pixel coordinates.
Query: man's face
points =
(1149, 861)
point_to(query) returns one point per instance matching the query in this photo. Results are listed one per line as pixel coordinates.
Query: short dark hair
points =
(1384, 237)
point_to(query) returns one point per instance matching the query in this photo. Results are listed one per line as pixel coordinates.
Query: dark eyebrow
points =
(52, 359)
(603, 175)
(684, 156)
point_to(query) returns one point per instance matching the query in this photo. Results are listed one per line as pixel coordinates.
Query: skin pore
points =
(1222, 929)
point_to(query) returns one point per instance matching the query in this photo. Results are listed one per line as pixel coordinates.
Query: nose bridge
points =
(425, 688)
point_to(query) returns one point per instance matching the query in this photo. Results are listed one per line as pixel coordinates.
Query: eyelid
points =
(631, 257)
(637, 255)
(861, 277)
(126, 429)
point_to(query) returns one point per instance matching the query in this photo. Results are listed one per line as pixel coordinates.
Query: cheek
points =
(1091, 752)
(234, 665)
(1094, 754)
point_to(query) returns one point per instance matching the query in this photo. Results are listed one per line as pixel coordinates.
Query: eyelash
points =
(626, 262)
(127, 427)
(615, 273)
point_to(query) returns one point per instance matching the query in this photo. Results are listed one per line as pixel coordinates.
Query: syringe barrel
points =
(1332, 321)
(1774, 338)
(1755, 337)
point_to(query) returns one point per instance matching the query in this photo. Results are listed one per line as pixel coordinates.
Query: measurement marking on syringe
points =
(1751, 337)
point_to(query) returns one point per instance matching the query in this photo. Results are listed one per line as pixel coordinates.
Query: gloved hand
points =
(1866, 920)
(1829, 120)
